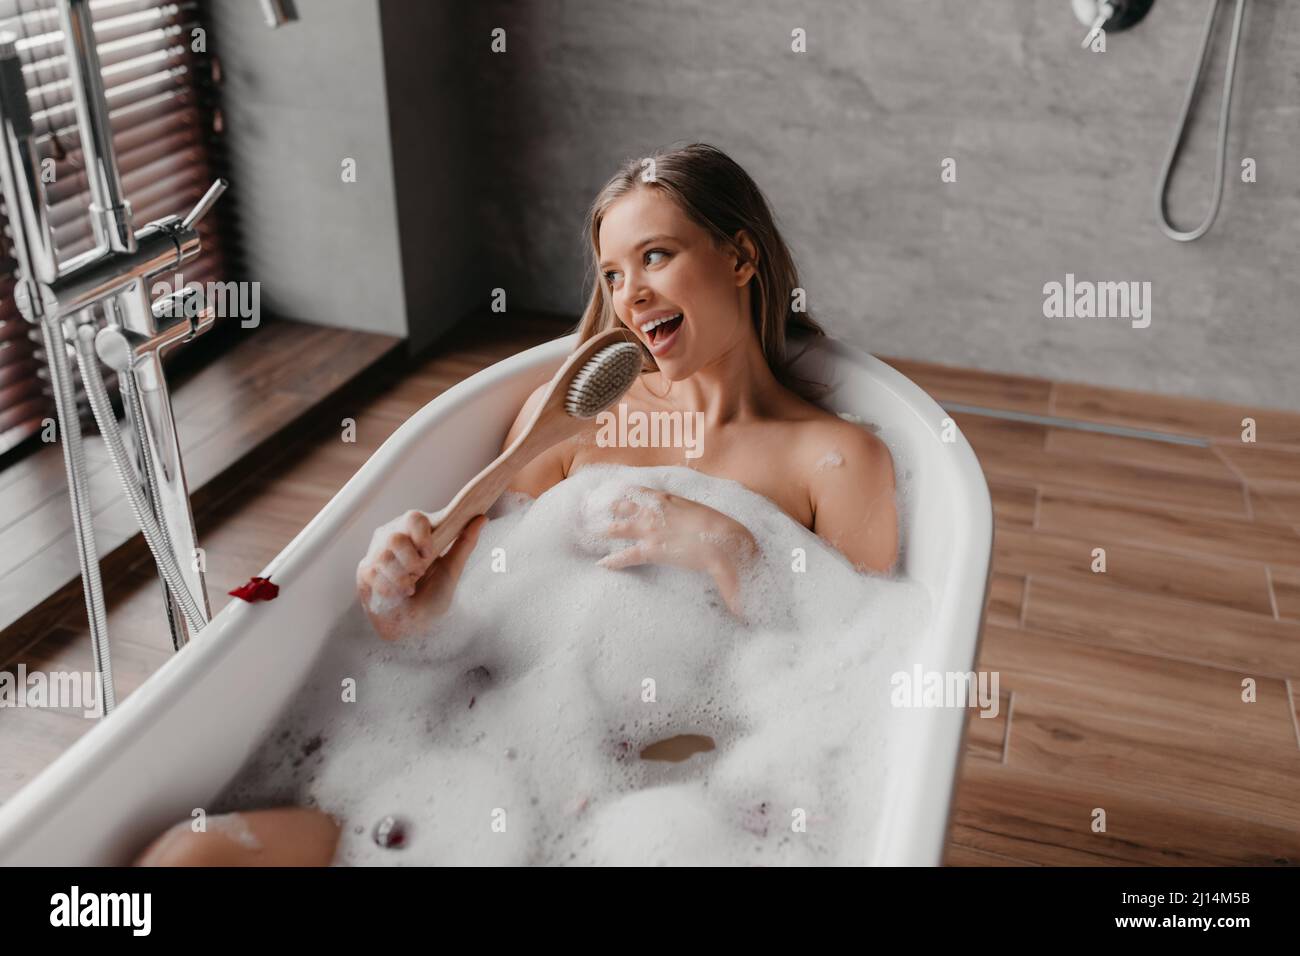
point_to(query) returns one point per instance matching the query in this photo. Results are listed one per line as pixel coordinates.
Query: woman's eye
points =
(610, 276)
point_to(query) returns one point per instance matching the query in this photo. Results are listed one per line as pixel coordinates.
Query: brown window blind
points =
(160, 109)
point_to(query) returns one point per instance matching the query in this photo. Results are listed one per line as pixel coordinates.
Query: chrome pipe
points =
(34, 255)
(110, 213)
(96, 278)
(83, 519)
(159, 453)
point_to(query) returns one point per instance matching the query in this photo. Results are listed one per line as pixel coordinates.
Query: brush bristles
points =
(603, 380)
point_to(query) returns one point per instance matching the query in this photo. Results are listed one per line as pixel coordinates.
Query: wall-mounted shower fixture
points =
(1109, 15)
(279, 12)
(1225, 111)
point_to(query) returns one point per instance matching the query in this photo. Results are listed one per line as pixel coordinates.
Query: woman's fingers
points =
(417, 525)
(624, 508)
(628, 557)
(407, 556)
(623, 529)
(394, 575)
(453, 562)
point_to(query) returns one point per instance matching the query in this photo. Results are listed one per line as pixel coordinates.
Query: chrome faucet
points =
(62, 298)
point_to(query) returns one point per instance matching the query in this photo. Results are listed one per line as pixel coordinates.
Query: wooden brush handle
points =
(550, 425)
(482, 491)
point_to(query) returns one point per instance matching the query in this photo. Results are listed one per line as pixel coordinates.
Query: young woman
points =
(687, 256)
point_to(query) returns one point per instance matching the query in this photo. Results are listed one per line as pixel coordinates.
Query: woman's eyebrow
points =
(644, 242)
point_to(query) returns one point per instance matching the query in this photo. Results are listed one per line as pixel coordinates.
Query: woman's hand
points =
(675, 531)
(388, 577)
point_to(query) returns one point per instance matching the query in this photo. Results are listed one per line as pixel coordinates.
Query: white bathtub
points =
(177, 741)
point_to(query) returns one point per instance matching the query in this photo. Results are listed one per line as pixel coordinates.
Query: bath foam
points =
(512, 733)
(234, 826)
(832, 459)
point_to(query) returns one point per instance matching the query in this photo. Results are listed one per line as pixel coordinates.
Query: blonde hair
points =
(719, 196)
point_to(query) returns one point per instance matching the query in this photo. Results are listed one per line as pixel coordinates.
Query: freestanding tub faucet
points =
(62, 298)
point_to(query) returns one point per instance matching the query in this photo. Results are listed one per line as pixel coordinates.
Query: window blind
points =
(160, 100)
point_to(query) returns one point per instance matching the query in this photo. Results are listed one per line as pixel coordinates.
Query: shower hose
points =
(83, 520)
(155, 535)
(1225, 110)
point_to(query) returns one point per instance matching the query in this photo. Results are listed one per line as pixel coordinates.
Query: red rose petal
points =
(257, 589)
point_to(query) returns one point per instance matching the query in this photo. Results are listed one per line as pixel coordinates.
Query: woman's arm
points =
(853, 499)
(391, 583)
(547, 469)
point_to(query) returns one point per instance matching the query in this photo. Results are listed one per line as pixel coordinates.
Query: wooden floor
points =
(1122, 691)
(225, 408)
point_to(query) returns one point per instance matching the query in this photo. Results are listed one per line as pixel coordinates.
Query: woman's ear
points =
(746, 265)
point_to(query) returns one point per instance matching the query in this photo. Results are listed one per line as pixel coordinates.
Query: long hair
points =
(718, 195)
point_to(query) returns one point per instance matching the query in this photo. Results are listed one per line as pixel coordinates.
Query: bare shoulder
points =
(837, 453)
(851, 486)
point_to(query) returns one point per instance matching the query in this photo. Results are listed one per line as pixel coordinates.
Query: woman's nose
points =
(636, 289)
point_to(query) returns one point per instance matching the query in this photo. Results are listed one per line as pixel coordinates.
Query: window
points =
(159, 92)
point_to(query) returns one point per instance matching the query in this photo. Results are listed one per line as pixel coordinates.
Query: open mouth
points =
(664, 330)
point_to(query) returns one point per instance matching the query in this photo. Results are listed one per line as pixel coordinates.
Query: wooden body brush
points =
(593, 378)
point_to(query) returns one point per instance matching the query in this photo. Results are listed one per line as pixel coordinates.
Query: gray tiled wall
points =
(1057, 148)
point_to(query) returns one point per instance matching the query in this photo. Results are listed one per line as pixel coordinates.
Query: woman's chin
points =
(674, 370)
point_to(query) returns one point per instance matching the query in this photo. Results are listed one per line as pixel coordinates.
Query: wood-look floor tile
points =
(1138, 687)
(1013, 505)
(50, 523)
(1235, 584)
(212, 454)
(1017, 450)
(1175, 415)
(1286, 592)
(1078, 514)
(1262, 462)
(1002, 440)
(1194, 766)
(1157, 455)
(43, 735)
(70, 650)
(1251, 644)
(957, 854)
(1293, 688)
(986, 734)
(1047, 818)
(1277, 501)
(946, 383)
(1006, 596)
